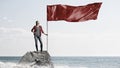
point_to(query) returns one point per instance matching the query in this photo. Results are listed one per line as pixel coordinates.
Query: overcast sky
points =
(99, 37)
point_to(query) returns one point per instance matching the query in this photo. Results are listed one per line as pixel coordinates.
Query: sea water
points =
(67, 62)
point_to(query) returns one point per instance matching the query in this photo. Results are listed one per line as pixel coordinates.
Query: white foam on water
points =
(15, 65)
(66, 66)
(61, 66)
(12, 65)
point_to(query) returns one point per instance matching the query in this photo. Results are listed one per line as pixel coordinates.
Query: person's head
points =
(37, 22)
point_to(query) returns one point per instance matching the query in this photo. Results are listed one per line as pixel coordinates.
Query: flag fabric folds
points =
(73, 13)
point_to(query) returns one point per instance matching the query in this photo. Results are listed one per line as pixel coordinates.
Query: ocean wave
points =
(12, 65)
(15, 65)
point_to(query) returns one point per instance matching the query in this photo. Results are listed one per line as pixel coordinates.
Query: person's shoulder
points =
(40, 26)
(34, 26)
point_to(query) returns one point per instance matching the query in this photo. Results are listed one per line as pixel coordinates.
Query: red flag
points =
(73, 13)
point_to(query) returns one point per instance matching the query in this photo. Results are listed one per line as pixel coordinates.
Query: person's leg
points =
(41, 45)
(35, 37)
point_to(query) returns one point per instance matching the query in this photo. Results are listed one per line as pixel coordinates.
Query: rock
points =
(37, 58)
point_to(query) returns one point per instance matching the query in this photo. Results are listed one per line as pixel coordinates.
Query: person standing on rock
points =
(37, 31)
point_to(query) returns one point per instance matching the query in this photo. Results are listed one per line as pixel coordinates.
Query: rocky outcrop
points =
(37, 58)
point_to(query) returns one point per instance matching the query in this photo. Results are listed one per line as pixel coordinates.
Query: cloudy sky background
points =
(91, 38)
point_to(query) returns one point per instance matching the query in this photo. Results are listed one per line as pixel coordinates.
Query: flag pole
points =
(47, 31)
(47, 35)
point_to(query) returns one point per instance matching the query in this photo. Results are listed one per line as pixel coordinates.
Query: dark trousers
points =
(36, 44)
